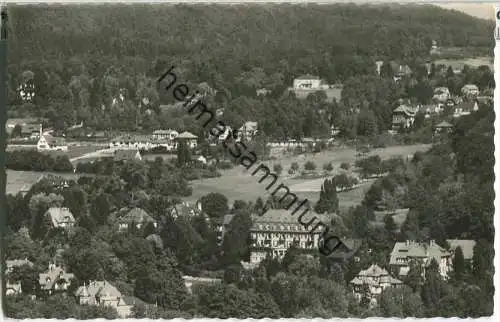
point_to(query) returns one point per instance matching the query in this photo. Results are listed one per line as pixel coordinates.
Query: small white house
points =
(49, 143)
(307, 82)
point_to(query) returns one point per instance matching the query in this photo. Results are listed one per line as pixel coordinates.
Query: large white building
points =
(277, 230)
(404, 253)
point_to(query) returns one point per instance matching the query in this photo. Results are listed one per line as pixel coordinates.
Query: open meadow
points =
(237, 183)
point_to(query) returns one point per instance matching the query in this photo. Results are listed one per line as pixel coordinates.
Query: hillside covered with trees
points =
(99, 64)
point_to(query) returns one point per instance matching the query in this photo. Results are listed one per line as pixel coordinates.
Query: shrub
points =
(310, 166)
(345, 166)
(328, 167)
(278, 168)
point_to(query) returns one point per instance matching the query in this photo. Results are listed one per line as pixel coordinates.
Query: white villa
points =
(372, 281)
(60, 217)
(470, 90)
(47, 142)
(404, 253)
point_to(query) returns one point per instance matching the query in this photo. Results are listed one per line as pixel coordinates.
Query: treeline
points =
(31, 160)
(91, 57)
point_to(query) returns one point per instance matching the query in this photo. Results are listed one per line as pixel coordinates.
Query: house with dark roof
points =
(127, 155)
(55, 279)
(185, 209)
(371, 282)
(222, 226)
(403, 117)
(135, 217)
(345, 249)
(104, 293)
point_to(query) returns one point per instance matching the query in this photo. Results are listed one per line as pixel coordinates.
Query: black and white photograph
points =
(247, 160)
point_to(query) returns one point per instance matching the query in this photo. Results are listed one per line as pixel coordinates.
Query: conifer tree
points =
(328, 201)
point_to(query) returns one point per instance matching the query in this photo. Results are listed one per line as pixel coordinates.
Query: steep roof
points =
(186, 135)
(60, 215)
(374, 270)
(184, 209)
(103, 289)
(408, 110)
(347, 248)
(50, 277)
(425, 251)
(136, 215)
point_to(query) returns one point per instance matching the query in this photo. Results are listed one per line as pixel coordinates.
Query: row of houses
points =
(103, 293)
(373, 281)
(403, 117)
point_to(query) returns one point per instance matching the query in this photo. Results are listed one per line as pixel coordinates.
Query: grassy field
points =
(473, 62)
(239, 184)
(17, 179)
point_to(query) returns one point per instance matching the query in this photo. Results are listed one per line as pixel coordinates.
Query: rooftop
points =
(413, 249)
(52, 275)
(136, 215)
(59, 215)
(308, 77)
(99, 289)
(187, 135)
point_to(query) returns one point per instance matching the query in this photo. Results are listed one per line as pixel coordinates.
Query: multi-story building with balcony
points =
(277, 230)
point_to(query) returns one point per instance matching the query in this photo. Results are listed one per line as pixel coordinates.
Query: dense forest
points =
(99, 64)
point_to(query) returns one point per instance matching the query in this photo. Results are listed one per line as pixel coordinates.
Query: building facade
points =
(403, 117)
(371, 282)
(105, 294)
(406, 253)
(55, 279)
(277, 230)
